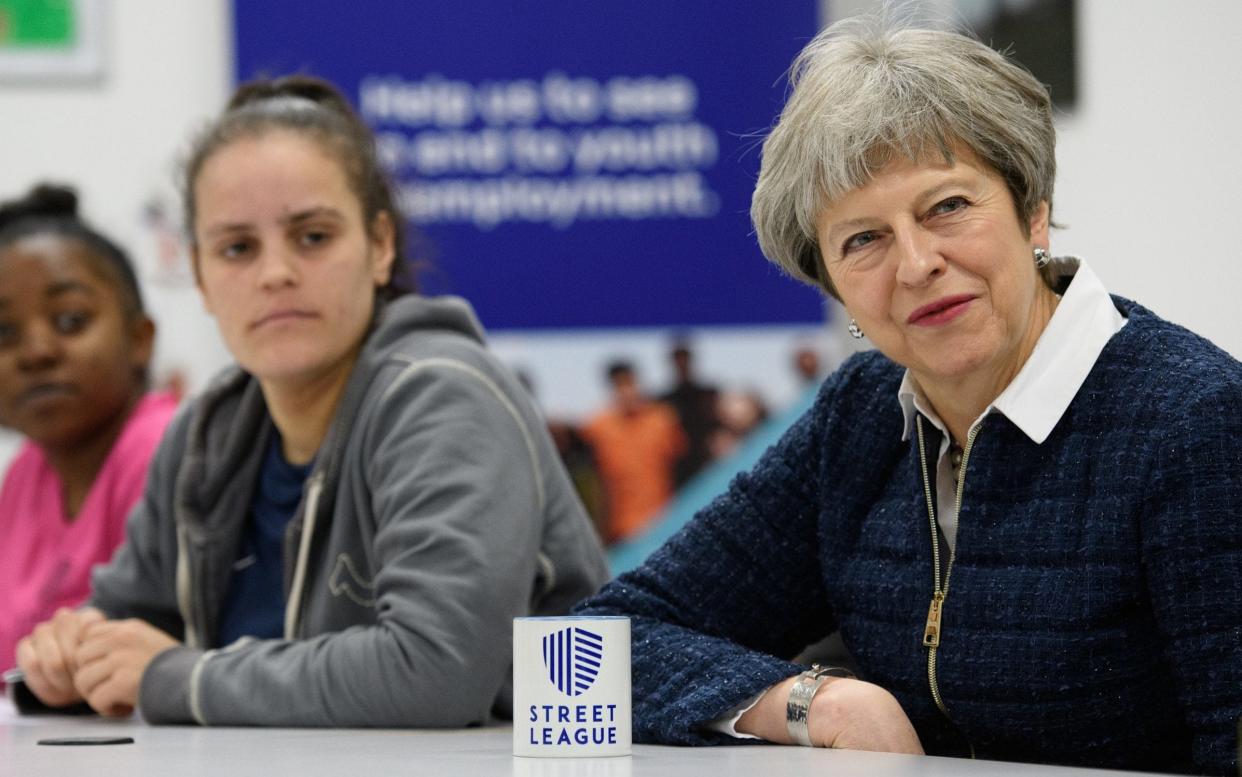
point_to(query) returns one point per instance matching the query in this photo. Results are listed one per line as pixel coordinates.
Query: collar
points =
(1064, 355)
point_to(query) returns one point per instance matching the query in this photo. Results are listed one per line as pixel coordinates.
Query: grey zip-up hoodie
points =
(437, 510)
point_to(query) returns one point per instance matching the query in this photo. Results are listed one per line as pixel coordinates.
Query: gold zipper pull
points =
(931, 635)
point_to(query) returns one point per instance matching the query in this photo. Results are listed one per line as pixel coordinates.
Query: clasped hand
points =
(80, 655)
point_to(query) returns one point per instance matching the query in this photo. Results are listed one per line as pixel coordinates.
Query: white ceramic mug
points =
(571, 686)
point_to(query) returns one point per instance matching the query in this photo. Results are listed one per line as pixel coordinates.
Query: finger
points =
(67, 630)
(35, 679)
(91, 615)
(99, 638)
(51, 670)
(115, 696)
(90, 676)
(102, 698)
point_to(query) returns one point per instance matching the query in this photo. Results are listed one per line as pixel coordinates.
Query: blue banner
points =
(571, 164)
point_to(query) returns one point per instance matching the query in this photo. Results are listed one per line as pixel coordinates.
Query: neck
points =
(960, 400)
(78, 464)
(302, 409)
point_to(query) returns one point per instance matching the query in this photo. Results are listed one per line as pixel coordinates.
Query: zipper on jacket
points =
(932, 631)
(184, 587)
(293, 607)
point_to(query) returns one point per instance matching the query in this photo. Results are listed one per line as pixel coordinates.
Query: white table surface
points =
(186, 751)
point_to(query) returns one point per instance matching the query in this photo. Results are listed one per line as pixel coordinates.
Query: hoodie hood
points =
(398, 318)
(218, 450)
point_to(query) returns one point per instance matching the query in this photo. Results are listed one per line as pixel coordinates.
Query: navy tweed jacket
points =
(1095, 611)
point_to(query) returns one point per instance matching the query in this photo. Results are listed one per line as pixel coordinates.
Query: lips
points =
(941, 311)
(45, 392)
(283, 316)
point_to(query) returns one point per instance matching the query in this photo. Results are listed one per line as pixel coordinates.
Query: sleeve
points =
(140, 580)
(452, 478)
(131, 458)
(1192, 555)
(719, 608)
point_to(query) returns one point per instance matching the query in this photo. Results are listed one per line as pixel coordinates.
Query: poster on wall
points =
(51, 41)
(1040, 34)
(570, 165)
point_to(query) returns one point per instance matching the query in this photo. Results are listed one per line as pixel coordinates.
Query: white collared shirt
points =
(1037, 398)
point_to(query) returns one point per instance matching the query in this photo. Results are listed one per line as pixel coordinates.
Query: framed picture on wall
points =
(51, 41)
(1038, 33)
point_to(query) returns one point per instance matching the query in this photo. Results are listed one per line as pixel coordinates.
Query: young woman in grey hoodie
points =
(339, 531)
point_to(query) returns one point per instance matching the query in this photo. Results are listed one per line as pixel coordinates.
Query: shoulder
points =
(146, 425)
(434, 338)
(855, 418)
(865, 385)
(663, 414)
(27, 466)
(1166, 367)
(1162, 392)
(430, 365)
(29, 457)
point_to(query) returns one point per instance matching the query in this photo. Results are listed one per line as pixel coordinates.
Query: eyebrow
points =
(57, 289)
(311, 213)
(289, 219)
(931, 192)
(66, 287)
(834, 234)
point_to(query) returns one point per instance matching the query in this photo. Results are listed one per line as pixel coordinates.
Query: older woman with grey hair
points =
(1019, 511)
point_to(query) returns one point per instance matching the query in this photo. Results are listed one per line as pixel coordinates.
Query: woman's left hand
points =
(845, 713)
(111, 659)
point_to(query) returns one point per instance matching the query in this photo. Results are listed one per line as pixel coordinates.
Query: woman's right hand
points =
(855, 715)
(47, 655)
(845, 713)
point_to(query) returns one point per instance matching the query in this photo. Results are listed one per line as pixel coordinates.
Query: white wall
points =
(168, 68)
(1148, 165)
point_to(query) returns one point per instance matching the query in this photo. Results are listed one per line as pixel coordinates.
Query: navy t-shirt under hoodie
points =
(255, 605)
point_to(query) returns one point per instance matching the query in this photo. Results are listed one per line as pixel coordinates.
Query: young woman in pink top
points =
(75, 343)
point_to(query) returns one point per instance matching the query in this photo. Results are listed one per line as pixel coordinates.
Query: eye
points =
(70, 322)
(861, 240)
(238, 248)
(950, 205)
(314, 237)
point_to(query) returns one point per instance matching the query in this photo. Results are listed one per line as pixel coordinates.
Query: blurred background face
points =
(70, 358)
(284, 261)
(625, 391)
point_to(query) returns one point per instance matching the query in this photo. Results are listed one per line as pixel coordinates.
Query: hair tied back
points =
(45, 200)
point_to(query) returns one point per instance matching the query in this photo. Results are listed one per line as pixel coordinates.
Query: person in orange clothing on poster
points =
(637, 443)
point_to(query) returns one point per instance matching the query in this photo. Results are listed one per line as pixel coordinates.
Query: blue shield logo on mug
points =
(572, 657)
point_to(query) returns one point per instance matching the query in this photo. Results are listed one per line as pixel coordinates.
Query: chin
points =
(954, 366)
(290, 367)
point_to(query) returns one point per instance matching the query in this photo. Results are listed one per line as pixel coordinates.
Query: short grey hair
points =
(865, 93)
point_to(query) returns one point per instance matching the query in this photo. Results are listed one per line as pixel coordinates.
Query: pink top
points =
(46, 559)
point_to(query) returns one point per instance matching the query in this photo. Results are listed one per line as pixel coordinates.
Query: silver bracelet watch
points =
(798, 708)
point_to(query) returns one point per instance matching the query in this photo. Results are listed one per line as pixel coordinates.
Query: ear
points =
(141, 341)
(383, 247)
(1039, 224)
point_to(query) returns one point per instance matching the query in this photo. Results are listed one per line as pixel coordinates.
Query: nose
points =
(920, 260)
(40, 347)
(277, 268)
